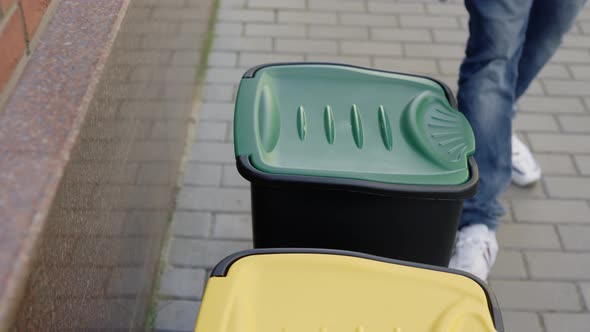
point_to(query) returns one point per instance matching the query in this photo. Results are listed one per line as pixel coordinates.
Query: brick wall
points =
(97, 257)
(19, 21)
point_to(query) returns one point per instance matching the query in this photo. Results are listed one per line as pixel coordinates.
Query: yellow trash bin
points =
(315, 290)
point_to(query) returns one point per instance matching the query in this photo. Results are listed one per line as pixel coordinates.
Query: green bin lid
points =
(340, 121)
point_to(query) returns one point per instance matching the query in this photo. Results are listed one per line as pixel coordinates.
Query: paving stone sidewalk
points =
(542, 277)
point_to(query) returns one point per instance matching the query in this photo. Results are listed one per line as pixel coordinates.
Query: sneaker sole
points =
(526, 182)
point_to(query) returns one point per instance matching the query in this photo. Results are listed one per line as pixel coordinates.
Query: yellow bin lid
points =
(308, 290)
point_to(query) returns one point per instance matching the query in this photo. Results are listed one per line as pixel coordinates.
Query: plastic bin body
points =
(408, 229)
(350, 158)
(325, 290)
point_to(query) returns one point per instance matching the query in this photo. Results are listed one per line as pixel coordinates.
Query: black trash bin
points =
(343, 157)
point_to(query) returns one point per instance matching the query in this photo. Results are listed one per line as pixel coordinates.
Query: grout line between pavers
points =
(581, 297)
(557, 120)
(559, 237)
(575, 163)
(526, 263)
(541, 321)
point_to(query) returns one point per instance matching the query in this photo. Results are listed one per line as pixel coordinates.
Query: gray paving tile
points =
(520, 236)
(557, 322)
(275, 30)
(551, 211)
(242, 44)
(245, 15)
(337, 5)
(183, 283)
(219, 92)
(516, 192)
(370, 48)
(509, 264)
(559, 265)
(212, 152)
(203, 253)
(372, 20)
(535, 88)
(190, 223)
(306, 46)
(233, 226)
(419, 66)
(554, 71)
(202, 174)
(217, 111)
(580, 72)
(228, 29)
(559, 105)
(567, 87)
(560, 143)
(583, 163)
(401, 34)
(338, 32)
(555, 164)
(568, 187)
(223, 59)
(536, 295)
(564, 55)
(249, 59)
(274, 4)
(212, 131)
(232, 3)
(427, 21)
(534, 122)
(381, 7)
(452, 36)
(302, 17)
(521, 321)
(446, 9)
(575, 237)
(448, 66)
(176, 315)
(214, 199)
(586, 293)
(575, 124)
(231, 178)
(436, 51)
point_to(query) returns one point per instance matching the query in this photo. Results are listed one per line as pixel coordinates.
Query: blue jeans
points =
(509, 42)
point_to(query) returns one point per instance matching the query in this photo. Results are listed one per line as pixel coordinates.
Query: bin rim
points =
(250, 73)
(450, 192)
(222, 268)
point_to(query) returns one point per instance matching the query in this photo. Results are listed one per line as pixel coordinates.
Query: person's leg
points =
(487, 84)
(549, 21)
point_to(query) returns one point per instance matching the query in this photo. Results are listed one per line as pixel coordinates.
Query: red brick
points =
(34, 10)
(12, 47)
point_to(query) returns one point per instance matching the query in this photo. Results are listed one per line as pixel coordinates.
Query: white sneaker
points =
(525, 170)
(475, 250)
